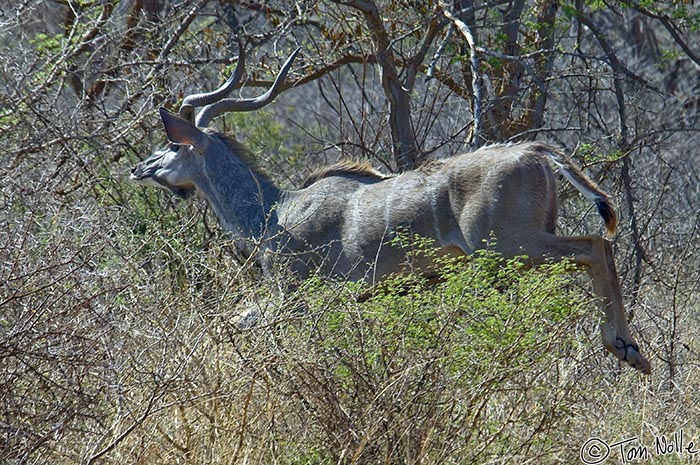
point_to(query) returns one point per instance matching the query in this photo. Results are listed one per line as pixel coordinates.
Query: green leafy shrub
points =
(458, 373)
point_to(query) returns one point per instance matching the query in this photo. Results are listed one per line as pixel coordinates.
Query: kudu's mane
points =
(345, 168)
(238, 149)
(233, 144)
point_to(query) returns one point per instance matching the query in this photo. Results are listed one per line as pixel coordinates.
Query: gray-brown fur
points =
(346, 168)
(342, 222)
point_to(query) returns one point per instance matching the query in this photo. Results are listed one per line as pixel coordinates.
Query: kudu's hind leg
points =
(595, 254)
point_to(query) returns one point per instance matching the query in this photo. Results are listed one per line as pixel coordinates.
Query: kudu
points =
(342, 221)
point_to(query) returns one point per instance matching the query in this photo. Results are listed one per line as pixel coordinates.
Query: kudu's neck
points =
(242, 198)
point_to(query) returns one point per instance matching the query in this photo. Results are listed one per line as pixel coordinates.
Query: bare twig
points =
(617, 66)
(476, 77)
(405, 148)
(672, 29)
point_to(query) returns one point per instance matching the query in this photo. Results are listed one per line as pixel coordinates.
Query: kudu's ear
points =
(181, 131)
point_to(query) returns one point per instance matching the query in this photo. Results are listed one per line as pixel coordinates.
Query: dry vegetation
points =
(118, 305)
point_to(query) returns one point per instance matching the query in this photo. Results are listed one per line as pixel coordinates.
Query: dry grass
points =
(119, 346)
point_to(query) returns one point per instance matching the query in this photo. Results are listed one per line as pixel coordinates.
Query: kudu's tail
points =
(584, 185)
